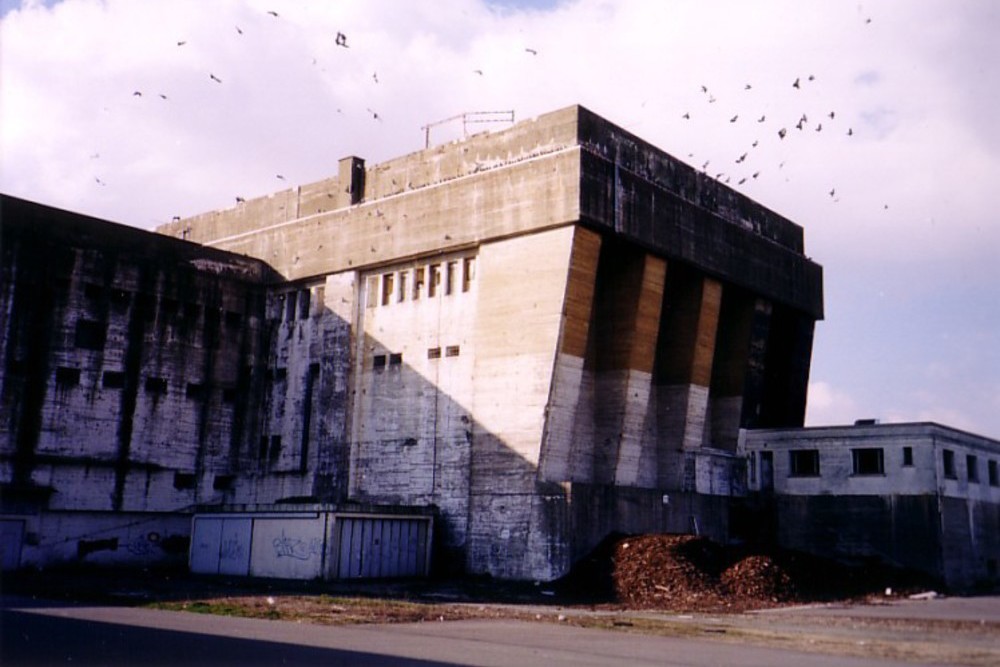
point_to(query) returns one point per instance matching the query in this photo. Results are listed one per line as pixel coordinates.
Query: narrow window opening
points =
(972, 468)
(275, 450)
(223, 482)
(418, 282)
(468, 273)
(452, 351)
(290, 306)
(435, 280)
(113, 380)
(67, 377)
(184, 480)
(233, 319)
(229, 394)
(90, 335)
(434, 353)
(948, 462)
(304, 303)
(378, 361)
(156, 385)
(991, 471)
(195, 390)
(396, 358)
(908, 456)
(387, 287)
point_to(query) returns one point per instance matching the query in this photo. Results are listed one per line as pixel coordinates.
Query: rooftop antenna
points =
(469, 118)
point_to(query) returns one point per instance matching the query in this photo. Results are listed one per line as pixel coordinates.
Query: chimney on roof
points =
(351, 175)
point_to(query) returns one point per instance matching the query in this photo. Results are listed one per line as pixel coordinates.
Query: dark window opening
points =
(280, 374)
(229, 394)
(387, 287)
(304, 298)
(948, 461)
(120, 299)
(233, 319)
(93, 292)
(435, 280)
(113, 380)
(146, 305)
(275, 450)
(195, 390)
(169, 307)
(418, 282)
(67, 377)
(378, 361)
(452, 351)
(991, 471)
(155, 385)
(90, 335)
(907, 456)
(184, 480)
(803, 463)
(262, 451)
(451, 268)
(290, 306)
(372, 299)
(972, 468)
(223, 482)
(434, 353)
(395, 359)
(469, 273)
(192, 311)
(868, 461)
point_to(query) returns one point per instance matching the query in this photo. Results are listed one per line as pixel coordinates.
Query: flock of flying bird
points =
(727, 176)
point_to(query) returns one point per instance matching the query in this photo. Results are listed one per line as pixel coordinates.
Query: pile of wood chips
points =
(690, 573)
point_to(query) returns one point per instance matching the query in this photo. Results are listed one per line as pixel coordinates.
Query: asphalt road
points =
(35, 633)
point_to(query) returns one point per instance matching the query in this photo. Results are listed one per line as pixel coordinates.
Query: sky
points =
(872, 125)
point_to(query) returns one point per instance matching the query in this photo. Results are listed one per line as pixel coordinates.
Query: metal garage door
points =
(371, 547)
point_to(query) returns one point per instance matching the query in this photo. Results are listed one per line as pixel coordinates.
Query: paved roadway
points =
(36, 633)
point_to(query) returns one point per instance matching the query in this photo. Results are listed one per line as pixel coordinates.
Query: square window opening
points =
(803, 463)
(113, 380)
(378, 362)
(434, 353)
(396, 358)
(67, 377)
(869, 461)
(452, 351)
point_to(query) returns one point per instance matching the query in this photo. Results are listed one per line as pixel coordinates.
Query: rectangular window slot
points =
(195, 390)
(452, 351)
(229, 394)
(184, 480)
(280, 374)
(907, 456)
(948, 462)
(418, 282)
(378, 361)
(93, 292)
(120, 299)
(972, 468)
(803, 463)
(869, 461)
(113, 380)
(192, 311)
(155, 385)
(434, 353)
(290, 306)
(304, 302)
(991, 471)
(233, 319)
(396, 358)
(275, 450)
(169, 307)
(90, 335)
(146, 305)
(223, 482)
(67, 377)
(387, 287)
(435, 280)
(468, 273)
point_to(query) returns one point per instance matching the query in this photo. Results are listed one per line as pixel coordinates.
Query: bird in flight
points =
(850, 132)
(279, 177)
(181, 43)
(686, 116)
(137, 93)
(782, 132)
(273, 13)
(531, 51)
(239, 30)
(796, 84)
(341, 39)
(762, 118)
(741, 158)
(733, 119)
(215, 78)
(240, 200)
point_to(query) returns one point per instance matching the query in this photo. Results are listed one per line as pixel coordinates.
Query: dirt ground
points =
(656, 584)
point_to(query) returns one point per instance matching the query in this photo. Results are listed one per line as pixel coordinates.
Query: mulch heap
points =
(690, 573)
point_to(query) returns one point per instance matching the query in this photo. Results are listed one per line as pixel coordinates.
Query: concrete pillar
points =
(729, 368)
(684, 363)
(351, 177)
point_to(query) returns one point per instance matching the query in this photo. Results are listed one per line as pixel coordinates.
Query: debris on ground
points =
(691, 573)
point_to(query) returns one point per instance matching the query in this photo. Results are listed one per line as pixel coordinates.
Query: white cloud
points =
(827, 406)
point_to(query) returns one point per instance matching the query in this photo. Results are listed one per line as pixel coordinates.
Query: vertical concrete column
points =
(351, 179)
(729, 368)
(686, 354)
(568, 438)
(626, 323)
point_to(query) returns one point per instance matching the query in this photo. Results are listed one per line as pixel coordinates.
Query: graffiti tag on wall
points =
(293, 547)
